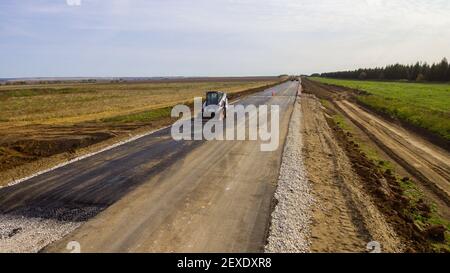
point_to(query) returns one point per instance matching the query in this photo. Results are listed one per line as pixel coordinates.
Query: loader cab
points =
(213, 98)
(216, 102)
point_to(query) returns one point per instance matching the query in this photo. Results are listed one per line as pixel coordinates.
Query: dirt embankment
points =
(27, 144)
(426, 162)
(25, 151)
(345, 219)
(386, 192)
(422, 161)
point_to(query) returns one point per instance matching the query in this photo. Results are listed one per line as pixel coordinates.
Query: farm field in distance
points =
(42, 120)
(81, 102)
(425, 105)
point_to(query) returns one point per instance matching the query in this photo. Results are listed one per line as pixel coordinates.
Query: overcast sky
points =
(216, 37)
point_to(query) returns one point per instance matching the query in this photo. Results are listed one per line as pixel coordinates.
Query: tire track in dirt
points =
(427, 162)
(345, 218)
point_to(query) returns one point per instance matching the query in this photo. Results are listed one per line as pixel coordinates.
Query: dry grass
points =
(60, 104)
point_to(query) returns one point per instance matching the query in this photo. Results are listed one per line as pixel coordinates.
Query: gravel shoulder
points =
(290, 229)
(20, 234)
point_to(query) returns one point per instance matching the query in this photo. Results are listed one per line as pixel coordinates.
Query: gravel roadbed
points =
(30, 230)
(291, 219)
(20, 234)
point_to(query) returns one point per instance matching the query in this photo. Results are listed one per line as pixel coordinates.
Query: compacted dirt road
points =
(344, 218)
(422, 159)
(393, 178)
(426, 161)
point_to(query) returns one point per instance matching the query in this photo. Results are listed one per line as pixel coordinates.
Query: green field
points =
(421, 104)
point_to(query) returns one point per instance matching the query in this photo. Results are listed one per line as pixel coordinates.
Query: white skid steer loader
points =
(215, 105)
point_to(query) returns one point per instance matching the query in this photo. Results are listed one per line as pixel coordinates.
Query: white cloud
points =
(266, 16)
(73, 2)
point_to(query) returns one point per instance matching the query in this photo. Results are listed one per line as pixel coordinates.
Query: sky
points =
(119, 38)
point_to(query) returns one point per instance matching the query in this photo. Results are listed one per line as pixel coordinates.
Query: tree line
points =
(416, 72)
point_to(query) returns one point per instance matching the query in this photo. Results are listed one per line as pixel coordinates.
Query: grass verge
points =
(423, 105)
(146, 116)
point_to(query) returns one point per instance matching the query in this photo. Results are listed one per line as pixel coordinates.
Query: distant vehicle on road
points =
(216, 103)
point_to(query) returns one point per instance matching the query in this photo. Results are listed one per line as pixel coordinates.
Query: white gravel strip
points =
(84, 156)
(19, 234)
(291, 219)
(131, 139)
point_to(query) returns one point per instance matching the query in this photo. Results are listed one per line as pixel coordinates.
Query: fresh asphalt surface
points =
(158, 194)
